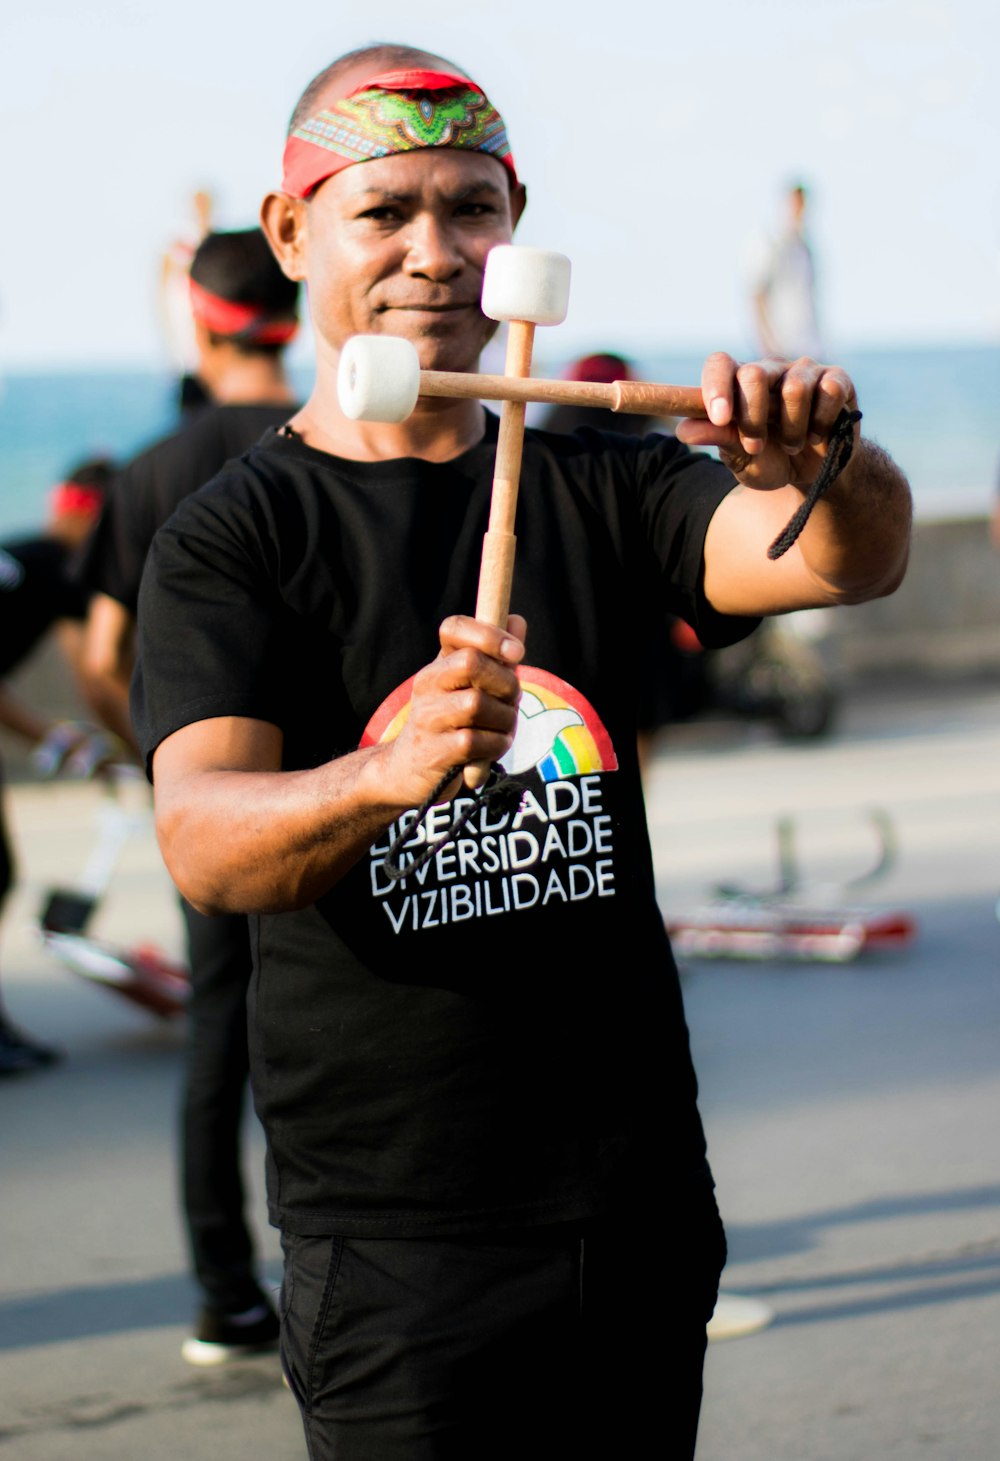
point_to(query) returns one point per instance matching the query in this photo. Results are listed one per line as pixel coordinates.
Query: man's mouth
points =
(423, 307)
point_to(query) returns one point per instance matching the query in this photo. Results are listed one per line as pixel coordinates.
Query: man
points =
(783, 284)
(483, 1146)
(244, 314)
(38, 596)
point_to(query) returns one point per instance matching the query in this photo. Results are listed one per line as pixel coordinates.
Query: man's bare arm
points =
(772, 421)
(238, 834)
(108, 659)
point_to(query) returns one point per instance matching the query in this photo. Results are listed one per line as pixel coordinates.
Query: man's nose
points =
(433, 250)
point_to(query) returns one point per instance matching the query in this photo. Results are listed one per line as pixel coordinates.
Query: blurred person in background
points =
(783, 285)
(38, 597)
(244, 314)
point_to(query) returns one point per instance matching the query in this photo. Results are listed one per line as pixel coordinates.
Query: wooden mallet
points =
(380, 380)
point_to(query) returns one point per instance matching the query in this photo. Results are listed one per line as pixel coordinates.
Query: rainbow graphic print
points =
(559, 734)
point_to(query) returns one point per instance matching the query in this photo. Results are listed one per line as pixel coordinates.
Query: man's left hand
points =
(770, 419)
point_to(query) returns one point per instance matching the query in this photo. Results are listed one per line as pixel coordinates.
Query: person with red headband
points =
(245, 313)
(467, 1042)
(37, 597)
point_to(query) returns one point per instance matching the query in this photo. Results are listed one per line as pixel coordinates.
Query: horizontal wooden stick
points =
(640, 398)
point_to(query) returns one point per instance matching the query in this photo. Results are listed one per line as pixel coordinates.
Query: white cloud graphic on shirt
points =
(537, 731)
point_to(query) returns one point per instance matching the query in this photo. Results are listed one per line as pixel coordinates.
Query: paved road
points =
(94, 1294)
(853, 1114)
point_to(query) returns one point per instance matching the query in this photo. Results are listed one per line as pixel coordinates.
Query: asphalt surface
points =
(853, 1114)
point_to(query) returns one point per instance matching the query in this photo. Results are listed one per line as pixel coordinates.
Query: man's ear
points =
(518, 202)
(283, 220)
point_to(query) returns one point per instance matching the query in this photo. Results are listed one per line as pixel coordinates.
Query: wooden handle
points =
(642, 398)
(493, 602)
(497, 568)
(496, 573)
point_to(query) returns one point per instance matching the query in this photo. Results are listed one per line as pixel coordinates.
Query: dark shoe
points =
(18, 1053)
(223, 1337)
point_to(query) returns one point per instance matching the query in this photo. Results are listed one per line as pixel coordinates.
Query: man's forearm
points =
(107, 662)
(273, 841)
(853, 548)
(241, 835)
(857, 540)
(773, 422)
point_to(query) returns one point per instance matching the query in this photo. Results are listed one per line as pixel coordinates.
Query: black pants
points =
(536, 1345)
(214, 1098)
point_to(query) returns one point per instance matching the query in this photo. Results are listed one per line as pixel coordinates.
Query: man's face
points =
(397, 246)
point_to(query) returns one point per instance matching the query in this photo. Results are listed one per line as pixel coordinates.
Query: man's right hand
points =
(463, 709)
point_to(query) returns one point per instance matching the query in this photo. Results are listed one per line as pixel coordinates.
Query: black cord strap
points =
(838, 454)
(500, 790)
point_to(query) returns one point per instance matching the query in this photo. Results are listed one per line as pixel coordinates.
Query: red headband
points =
(412, 78)
(67, 498)
(393, 111)
(248, 322)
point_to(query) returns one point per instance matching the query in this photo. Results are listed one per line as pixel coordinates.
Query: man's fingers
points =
(459, 631)
(754, 383)
(718, 376)
(468, 669)
(517, 627)
(477, 709)
(834, 392)
(798, 386)
(776, 411)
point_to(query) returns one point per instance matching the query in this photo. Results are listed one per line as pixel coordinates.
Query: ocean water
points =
(935, 410)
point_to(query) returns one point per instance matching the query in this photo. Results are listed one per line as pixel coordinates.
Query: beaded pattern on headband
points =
(380, 119)
(378, 123)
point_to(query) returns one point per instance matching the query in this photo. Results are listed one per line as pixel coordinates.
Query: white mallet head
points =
(526, 284)
(378, 378)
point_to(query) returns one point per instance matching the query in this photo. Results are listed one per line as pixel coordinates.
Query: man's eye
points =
(475, 210)
(384, 214)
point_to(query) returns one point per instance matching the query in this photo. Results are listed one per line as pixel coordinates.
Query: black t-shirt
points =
(499, 1039)
(35, 591)
(146, 492)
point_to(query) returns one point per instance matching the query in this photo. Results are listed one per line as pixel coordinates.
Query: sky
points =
(656, 141)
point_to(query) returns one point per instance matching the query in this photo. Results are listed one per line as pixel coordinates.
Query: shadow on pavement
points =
(968, 1272)
(98, 1310)
(748, 1243)
(91, 1311)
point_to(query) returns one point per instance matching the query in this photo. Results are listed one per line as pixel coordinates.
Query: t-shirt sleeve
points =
(209, 624)
(679, 492)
